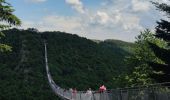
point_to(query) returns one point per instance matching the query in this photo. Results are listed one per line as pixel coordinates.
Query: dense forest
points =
(23, 75)
(78, 62)
(74, 62)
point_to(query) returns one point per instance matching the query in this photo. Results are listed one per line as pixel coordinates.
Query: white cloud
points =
(117, 19)
(131, 22)
(103, 17)
(76, 4)
(140, 5)
(163, 1)
(62, 23)
(36, 1)
(55, 23)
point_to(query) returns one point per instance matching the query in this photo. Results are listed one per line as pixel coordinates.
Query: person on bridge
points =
(89, 91)
(102, 89)
(71, 92)
(74, 93)
(89, 94)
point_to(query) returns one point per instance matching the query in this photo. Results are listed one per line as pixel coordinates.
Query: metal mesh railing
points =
(159, 93)
(137, 94)
(146, 93)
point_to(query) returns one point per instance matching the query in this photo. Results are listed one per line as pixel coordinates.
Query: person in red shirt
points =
(102, 88)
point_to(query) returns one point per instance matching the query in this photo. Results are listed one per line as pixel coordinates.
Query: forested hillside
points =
(81, 63)
(22, 71)
(74, 62)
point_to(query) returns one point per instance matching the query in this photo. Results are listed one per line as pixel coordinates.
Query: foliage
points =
(82, 63)
(7, 17)
(73, 61)
(139, 69)
(127, 46)
(22, 71)
(163, 32)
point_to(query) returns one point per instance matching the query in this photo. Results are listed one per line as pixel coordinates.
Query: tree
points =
(163, 32)
(139, 70)
(9, 19)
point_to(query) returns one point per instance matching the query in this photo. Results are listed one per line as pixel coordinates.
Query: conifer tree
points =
(162, 31)
(7, 19)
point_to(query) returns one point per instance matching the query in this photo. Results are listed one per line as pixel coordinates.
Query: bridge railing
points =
(159, 93)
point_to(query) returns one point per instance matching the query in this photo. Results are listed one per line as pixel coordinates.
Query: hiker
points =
(71, 92)
(89, 94)
(74, 93)
(102, 89)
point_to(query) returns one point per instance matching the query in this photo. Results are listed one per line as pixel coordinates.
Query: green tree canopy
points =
(163, 32)
(7, 19)
(139, 70)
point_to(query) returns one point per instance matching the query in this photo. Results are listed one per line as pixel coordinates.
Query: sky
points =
(93, 19)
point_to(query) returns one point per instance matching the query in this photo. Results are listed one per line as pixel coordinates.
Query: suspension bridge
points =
(152, 92)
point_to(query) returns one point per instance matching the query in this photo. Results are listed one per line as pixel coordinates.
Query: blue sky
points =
(94, 19)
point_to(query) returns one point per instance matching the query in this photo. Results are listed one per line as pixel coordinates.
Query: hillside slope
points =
(81, 63)
(73, 61)
(22, 71)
